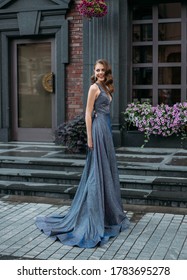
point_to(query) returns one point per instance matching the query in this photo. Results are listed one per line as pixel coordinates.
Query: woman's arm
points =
(92, 95)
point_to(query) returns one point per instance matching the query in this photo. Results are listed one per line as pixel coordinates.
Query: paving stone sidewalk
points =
(154, 235)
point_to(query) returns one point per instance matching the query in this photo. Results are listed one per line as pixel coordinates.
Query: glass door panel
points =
(34, 102)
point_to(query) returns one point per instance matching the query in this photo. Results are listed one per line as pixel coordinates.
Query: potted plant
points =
(73, 135)
(92, 8)
(161, 120)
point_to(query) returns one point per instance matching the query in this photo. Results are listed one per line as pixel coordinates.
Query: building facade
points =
(48, 52)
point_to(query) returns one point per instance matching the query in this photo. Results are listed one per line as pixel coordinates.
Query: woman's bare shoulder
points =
(94, 87)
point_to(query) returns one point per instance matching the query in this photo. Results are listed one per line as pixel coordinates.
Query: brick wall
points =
(74, 70)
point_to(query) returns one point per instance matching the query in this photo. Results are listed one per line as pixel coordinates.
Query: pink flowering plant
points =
(92, 8)
(161, 120)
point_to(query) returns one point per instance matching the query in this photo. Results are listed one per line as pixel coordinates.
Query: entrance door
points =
(33, 96)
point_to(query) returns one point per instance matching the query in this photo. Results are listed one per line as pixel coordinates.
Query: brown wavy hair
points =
(108, 83)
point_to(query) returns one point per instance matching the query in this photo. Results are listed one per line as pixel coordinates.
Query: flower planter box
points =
(136, 139)
(155, 126)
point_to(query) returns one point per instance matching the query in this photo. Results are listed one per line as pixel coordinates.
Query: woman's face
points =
(99, 72)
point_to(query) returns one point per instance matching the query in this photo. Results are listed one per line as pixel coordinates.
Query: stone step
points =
(155, 197)
(65, 191)
(38, 189)
(65, 164)
(73, 178)
(152, 171)
(40, 176)
(77, 164)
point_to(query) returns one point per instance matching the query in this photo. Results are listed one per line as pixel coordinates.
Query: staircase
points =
(147, 176)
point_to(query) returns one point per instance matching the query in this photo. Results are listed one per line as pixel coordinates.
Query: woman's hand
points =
(90, 143)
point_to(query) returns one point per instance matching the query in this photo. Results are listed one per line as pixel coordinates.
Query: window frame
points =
(155, 43)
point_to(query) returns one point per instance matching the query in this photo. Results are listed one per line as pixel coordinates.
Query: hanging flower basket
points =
(92, 8)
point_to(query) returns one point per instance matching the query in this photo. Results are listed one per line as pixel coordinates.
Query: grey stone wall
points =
(107, 38)
(26, 19)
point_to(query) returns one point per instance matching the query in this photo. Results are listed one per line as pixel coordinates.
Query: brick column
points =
(74, 70)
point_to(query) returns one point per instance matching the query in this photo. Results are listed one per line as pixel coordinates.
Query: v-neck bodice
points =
(102, 103)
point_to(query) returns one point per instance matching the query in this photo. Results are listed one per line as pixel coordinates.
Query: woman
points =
(96, 213)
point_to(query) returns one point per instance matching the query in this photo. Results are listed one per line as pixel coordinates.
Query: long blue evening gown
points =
(96, 213)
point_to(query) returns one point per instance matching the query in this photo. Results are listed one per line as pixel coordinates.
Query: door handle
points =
(48, 82)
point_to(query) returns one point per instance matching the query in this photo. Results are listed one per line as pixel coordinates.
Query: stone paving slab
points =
(151, 236)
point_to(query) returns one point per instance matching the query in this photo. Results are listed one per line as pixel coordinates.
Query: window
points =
(159, 74)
